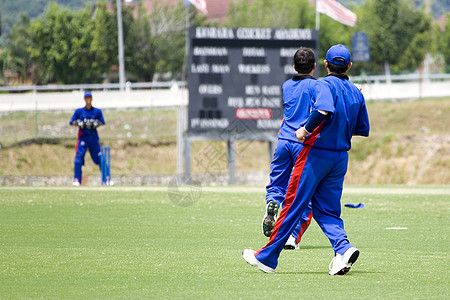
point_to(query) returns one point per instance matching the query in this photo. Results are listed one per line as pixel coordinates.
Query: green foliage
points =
(397, 33)
(445, 42)
(139, 45)
(60, 46)
(12, 9)
(104, 39)
(81, 46)
(270, 14)
(16, 58)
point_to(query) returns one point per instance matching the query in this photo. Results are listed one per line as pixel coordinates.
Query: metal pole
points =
(187, 160)
(120, 42)
(36, 125)
(186, 51)
(231, 160)
(317, 18)
(180, 142)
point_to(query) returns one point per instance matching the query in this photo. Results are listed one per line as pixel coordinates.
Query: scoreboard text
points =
(235, 76)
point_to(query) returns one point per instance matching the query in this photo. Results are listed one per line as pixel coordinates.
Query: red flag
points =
(336, 11)
(199, 4)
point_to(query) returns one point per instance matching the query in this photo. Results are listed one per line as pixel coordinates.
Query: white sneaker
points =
(343, 263)
(291, 244)
(249, 256)
(75, 183)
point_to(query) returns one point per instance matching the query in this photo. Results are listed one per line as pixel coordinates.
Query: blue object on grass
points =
(351, 205)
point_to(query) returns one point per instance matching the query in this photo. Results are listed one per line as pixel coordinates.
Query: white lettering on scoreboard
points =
(236, 74)
(268, 90)
(293, 34)
(268, 124)
(209, 123)
(254, 33)
(214, 33)
(211, 89)
(210, 51)
(288, 52)
(254, 69)
(253, 52)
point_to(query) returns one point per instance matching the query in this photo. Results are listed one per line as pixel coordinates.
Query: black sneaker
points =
(270, 217)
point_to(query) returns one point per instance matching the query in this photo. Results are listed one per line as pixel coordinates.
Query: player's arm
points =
(100, 119)
(97, 123)
(73, 120)
(315, 119)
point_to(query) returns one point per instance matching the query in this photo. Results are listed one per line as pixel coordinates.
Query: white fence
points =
(175, 94)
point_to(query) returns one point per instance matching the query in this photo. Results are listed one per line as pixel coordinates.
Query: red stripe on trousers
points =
(78, 140)
(293, 184)
(304, 226)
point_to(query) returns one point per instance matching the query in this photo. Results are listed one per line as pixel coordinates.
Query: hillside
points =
(409, 144)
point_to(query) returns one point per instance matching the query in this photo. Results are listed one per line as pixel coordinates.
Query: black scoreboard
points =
(235, 76)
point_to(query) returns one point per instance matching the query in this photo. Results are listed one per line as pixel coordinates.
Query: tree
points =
(139, 45)
(15, 56)
(395, 32)
(289, 14)
(270, 14)
(104, 39)
(168, 29)
(61, 47)
(445, 42)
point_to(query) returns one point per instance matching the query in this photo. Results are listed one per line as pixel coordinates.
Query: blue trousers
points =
(91, 142)
(281, 168)
(317, 177)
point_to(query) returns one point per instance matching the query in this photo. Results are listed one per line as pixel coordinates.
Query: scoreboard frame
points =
(234, 82)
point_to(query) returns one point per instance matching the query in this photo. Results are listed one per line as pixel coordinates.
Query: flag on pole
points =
(199, 4)
(336, 11)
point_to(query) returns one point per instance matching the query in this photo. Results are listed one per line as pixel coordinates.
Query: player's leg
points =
(281, 168)
(300, 229)
(94, 149)
(326, 205)
(301, 187)
(305, 220)
(80, 152)
(280, 172)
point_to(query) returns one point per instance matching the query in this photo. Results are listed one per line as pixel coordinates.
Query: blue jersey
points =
(349, 117)
(83, 113)
(302, 95)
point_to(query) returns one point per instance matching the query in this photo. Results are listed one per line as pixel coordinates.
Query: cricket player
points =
(299, 97)
(320, 167)
(87, 118)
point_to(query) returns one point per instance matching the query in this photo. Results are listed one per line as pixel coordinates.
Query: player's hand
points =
(89, 124)
(301, 134)
(80, 123)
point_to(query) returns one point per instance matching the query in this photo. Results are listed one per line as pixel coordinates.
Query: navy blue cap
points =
(339, 52)
(87, 94)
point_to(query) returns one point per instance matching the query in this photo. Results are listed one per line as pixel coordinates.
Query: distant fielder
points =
(87, 118)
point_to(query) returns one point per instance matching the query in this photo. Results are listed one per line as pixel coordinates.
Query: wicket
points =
(105, 165)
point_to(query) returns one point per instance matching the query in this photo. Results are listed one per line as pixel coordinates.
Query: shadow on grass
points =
(312, 247)
(351, 273)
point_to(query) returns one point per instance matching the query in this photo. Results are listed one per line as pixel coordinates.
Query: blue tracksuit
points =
(319, 170)
(87, 139)
(301, 95)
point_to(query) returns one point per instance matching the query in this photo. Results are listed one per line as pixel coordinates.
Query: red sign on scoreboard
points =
(253, 113)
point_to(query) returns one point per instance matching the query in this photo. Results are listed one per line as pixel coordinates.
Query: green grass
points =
(102, 243)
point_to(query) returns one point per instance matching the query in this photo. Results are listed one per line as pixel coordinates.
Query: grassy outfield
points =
(150, 243)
